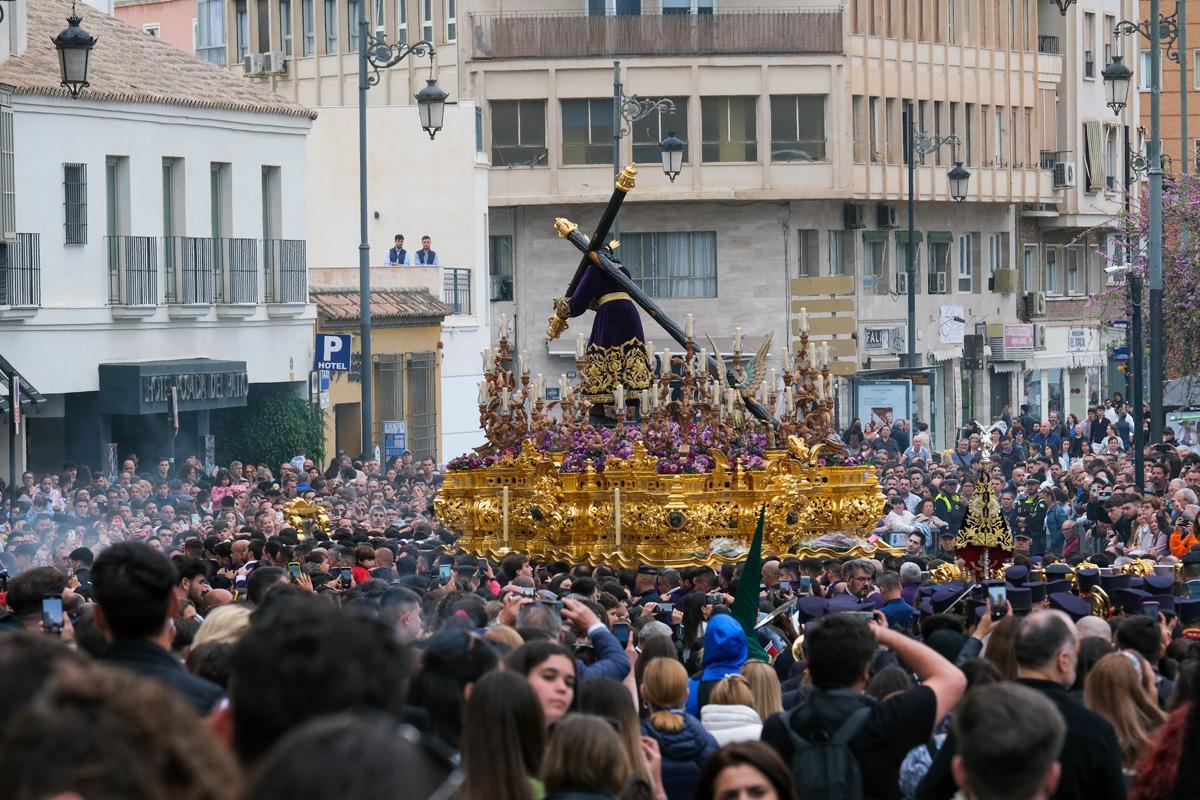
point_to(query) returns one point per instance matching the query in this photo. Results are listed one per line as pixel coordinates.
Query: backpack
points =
(823, 765)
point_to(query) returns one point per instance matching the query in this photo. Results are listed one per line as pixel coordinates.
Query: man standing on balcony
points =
(398, 256)
(425, 256)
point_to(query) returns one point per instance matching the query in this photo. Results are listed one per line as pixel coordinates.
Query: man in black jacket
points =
(134, 588)
(1047, 651)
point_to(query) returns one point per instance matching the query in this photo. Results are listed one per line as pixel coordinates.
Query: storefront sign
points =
(395, 438)
(1018, 337)
(196, 384)
(1077, 340)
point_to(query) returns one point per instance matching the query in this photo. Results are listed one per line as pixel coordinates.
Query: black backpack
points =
(823, 765)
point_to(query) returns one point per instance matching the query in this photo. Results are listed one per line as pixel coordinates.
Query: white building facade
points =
(157, 245)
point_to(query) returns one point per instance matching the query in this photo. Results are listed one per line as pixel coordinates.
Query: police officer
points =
(1031, 516)
(948, 506)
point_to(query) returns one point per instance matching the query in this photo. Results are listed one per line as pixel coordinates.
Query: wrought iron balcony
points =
(235, 269)
(21, 271)
(189, 269)
(132, 270)
(285, 270)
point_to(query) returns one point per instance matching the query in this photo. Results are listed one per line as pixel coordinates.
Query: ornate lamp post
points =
(628, 110)
(74, 46)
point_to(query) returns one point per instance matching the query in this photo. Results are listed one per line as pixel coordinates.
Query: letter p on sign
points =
(333, 352)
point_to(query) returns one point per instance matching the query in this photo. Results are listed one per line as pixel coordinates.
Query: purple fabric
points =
(617, 321)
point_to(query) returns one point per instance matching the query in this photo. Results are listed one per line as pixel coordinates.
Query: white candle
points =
(770, 384)
(825, 353)
(524, 362)
(644, 400)
(503, 325)
(665, 367)
(829, 383)
(580, 346)
(619, 396)
(703, 364)
(539, 387)
(804, 320)
(483, 393)
(484, 354)
(504, 510)
(690, 326)
(617, 515)
(737, 339)
(820, 390)
(816, 357)
(650, 351)
(562, 387)
(505, 399)
(716, 393)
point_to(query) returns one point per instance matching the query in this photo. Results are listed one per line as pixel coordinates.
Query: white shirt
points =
(899, 522)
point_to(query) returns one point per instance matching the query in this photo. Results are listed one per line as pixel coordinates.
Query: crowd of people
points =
(171, 632)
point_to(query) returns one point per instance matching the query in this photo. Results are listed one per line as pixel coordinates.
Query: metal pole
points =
(366, 383)
(13, 411)
(1156, 228)
(910, 135)
(615, 228)
(1134, 336)
(1185, 150)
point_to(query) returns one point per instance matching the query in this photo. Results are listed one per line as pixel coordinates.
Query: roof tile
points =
(412, 305)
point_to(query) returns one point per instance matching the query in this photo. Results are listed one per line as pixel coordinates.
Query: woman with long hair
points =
(1001, 646)
(1121, 689)
(682, 740)
(585, 759)
(765, 691)
(607, 698)
(503, 738)
(452, 661)
(550, 670)
(1091, 649)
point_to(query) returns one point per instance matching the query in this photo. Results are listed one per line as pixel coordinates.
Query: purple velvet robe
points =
(616, 350)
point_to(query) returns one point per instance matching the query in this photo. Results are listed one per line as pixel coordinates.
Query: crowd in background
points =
(172, 632)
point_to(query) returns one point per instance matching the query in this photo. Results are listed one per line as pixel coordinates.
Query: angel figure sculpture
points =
(749, 376)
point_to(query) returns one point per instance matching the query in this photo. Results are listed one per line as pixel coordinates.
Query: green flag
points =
(745, 602)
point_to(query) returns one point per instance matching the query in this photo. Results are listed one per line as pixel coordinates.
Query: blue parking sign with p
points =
(333, 352)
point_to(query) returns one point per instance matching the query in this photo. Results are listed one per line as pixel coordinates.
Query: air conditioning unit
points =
(853, 216)
(902, 283)
(252, 64)
(1035, 304)
(937, 283)
(274, 63)
(886, 216)
(1039, 337)
(1005, 281)
(1064, 175)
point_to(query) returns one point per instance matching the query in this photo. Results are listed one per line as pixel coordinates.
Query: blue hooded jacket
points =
(724, 654)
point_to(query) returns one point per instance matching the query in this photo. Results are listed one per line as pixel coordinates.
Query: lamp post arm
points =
(379, 54)
(635, 108)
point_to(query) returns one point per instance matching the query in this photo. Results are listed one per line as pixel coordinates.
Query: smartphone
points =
(294, 568)
(998, 601)
(869, 616)
(665, 608)
(527, 591)
(347, 577)
(713, 600)
(52, 614)
(195, 519)
(444, 573)
(621, 631)
(542, 574)
(806, 583)
(1150, 609)
(483, 565)
(785, 586)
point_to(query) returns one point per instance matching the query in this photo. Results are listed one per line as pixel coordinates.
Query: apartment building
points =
(1184, 74)
(796, 172)
(309, 51)
(152, 251)
(174, 21)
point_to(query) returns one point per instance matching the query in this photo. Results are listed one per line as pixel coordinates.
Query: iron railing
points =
(132, 270)
(285, 271)
(456, 289)
(1051, 158)
(1049, 45)
(21, 271)
(235, 270)
(568, 34)
(189, 270)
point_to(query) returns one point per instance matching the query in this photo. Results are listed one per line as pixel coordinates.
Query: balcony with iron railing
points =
(188, 263)
(575, 34)
(20, 276)
(132, 275)
(285, 273)
(235, 276)
(1049, 45)
(456, 289)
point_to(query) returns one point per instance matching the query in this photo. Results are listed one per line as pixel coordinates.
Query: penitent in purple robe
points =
(616, 350)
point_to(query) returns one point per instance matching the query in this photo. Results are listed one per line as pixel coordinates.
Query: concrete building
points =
(176, 22)
(795, 171)
(309, 52)
(153, 244)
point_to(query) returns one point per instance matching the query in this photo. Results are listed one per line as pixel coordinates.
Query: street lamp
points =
(919, 143)
(74, 47)
(672, 155)
(375, 53)
(1063, 5)
(628, 110)
(1116, 81)
(958, 178)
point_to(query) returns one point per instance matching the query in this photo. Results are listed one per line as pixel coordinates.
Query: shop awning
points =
(1068, 361)
(1007, 367)
(946, 353)
(29, 394)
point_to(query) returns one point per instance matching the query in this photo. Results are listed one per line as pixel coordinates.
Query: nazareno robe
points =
(616, 349)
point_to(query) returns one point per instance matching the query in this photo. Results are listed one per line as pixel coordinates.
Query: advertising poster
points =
(882, 402)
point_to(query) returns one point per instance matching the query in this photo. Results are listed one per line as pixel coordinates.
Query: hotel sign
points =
(199, 384)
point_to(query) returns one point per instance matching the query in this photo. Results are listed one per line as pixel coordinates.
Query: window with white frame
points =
(285, 27)
(152, 29)
(75, 203)
(427, 20)
(965, 267)
(807, 254)
(451, 20)
(380, 24)
(402, 21)
(210, 30)
(998, 138)
(1029, 268)
(1074, 270)
(331, 27)
(673, 264)
(1051, 272)
(620, 8)
(354, 20)
(518, 133)
(939, 263)
(997, 252)
(1195, 68)
(1143, 72)
(1089, 46)
(876, 275)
